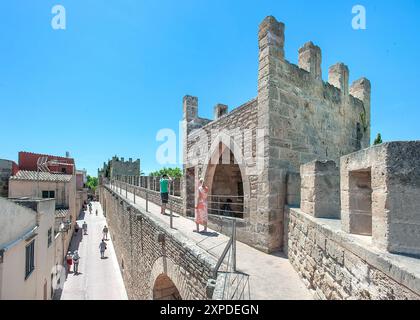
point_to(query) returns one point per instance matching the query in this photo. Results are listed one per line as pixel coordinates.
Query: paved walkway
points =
(98, 279)
(272, 277)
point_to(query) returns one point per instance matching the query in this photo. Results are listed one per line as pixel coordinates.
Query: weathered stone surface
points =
(146, 256)
(380, 189)
(336, 265)
(320, 196)
(296, 118)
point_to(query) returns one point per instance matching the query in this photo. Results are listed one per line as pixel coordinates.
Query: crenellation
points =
(338, 76)
(220, 110)
(310, 59)
(296, 118)
(271, 37)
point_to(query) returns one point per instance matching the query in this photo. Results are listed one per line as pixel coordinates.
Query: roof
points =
(25, 153)
(61, 213)
(41, 176)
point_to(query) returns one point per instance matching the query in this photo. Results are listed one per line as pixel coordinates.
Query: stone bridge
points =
(156, 262)
(160, 262)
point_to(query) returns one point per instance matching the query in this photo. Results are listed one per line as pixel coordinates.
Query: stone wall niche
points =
(380, 195)
(320, 196)
(360, 203)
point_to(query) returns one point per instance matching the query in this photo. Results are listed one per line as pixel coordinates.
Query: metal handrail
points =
(230, 247)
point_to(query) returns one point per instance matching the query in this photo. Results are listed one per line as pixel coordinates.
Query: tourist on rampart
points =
(201, 214)
(164, 192)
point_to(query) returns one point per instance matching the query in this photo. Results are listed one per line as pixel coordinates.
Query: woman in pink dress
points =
(201, 208)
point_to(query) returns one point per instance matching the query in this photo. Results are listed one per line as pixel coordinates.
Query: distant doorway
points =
(165, 289)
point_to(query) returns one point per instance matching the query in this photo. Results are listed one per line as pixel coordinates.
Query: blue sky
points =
(119, 71)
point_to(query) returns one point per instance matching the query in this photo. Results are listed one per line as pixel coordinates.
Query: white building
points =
(27, 248)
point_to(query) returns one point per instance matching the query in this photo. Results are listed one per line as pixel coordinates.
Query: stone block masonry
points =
(336, 265)
(149, 254)
(320, 195)
(380, 195)
(295, 118)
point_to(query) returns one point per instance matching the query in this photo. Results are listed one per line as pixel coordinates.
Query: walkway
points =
(98, 279)
(272, 277)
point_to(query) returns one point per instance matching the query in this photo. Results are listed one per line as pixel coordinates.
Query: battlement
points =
(271, 39)
(376, 190)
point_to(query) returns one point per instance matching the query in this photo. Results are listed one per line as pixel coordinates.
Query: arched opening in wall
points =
(226, 188)
(165, 289)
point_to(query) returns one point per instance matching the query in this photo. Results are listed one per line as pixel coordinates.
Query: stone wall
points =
(302, 117)
(337, 265)
(296, 118)
(236, 132)
(146, 248)
(121, 168)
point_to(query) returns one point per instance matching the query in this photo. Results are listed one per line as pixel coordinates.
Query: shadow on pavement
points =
(75, 241)
(209, 234)
(82, 215)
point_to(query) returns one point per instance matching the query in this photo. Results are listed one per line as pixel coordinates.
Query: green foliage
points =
(92, 183)
(378, 139)
(172, 172)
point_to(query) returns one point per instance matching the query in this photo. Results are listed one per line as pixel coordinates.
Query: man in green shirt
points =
(164, 192)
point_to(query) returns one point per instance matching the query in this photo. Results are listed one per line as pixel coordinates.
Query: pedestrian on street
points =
(76, 227)
(84, 226)
(105, 233)
(96, 211)
(76, 258)
(164, 192)
(69, 261)
(102, 248)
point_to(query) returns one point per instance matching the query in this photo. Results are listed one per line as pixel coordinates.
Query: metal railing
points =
(123, 188)
(236, 284)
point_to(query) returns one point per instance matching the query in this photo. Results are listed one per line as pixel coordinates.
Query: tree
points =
(172, 172)
(378, 139)
(92, 183)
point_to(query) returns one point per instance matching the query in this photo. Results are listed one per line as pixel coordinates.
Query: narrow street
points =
(98, 279)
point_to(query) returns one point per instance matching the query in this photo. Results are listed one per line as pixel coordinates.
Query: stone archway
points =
(226, 162)
(165, 289)
(167, 282)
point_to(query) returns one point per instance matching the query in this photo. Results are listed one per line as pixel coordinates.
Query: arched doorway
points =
(165, 289)
(228, 187)
(226, 194)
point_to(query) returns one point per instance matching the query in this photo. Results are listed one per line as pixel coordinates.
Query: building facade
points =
(7, 169)
(251, 155)
(62, 188)
(27, 249)
(28, 161)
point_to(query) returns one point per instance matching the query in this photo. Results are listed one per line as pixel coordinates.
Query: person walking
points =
(69, 261)
(76, 258)
(76, 227)
(105, 233)
(102, 248)
(201, 214)
(164, 192)
(96, 211)
(84, 227)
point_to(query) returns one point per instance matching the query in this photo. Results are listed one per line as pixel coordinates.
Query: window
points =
(49, 237)
(63, 170)
(30, 259)
(48, 194)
